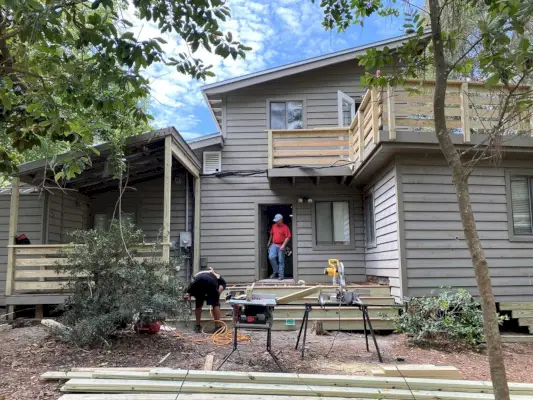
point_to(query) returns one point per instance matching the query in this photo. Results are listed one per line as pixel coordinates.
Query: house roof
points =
(144, 154)
(212, 92)
(213, 139)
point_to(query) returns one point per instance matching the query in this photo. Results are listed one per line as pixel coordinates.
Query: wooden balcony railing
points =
(33, 267)
(308, 147)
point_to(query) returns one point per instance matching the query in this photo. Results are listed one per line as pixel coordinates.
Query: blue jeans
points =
(277, 259)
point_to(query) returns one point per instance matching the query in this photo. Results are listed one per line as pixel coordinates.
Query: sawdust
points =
(25, 353)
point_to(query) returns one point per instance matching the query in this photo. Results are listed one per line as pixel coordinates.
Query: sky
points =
(279, 32)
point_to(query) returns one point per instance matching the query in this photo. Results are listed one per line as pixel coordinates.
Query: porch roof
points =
(144, 155)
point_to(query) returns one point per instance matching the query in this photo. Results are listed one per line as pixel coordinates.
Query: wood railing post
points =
(11, 254)
(167, 193)
(374, 103)
(360, 114)
(391, 114)
(196, 240)
(270, 149)
(465, 112)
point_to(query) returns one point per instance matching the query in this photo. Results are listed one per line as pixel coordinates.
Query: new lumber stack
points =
(522, 311)
(427, 371)
(172, 384)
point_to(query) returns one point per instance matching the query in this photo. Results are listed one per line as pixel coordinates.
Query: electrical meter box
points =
(185, 239)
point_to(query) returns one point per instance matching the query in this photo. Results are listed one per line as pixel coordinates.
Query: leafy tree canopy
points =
(71, 70)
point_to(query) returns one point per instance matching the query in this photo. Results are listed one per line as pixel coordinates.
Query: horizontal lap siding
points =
(383, 260)
(436, 251)
(229, 205)
(29, 222)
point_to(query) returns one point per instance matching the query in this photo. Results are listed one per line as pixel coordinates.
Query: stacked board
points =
(173, 384)
(522, 311)
(428, 371)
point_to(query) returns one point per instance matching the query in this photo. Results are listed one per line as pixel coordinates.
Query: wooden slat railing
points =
(35, 266)
(308, 147)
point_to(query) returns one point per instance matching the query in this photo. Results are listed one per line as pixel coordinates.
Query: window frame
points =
(287, 99)
(372, 243)
(508, 195)
(343, 96)
(351, 245)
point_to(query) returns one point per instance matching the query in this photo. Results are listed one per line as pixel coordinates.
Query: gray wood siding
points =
(436, 252)
(229, 206)
(29, 222)
(382, 260)
(66, 213)
(146, 203)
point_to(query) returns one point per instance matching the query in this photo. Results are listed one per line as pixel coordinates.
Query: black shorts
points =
(205, 291)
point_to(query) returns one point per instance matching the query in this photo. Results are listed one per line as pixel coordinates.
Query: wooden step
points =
(329, 324)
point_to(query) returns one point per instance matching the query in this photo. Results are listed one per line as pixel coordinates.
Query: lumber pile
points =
(172, 384)
(427, 371)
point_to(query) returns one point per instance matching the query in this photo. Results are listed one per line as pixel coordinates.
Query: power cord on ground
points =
(221, 337)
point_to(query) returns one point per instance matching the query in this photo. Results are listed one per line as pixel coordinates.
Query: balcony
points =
(400, 116)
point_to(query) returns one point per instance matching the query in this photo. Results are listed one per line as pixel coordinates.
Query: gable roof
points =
(212, 92)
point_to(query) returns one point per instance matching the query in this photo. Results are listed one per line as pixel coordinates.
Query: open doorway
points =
(266, 215)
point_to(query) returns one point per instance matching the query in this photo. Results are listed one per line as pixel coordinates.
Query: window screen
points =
(521, 204)
(286, 115)
(370, 225)
(332, 223)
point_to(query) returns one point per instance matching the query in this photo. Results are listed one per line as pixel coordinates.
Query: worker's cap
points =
(278, 217)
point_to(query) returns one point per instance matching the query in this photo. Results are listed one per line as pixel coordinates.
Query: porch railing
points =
(308, 147)
(33, 267)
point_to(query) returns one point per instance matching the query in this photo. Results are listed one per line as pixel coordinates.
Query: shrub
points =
(448, 314)
(110, 287)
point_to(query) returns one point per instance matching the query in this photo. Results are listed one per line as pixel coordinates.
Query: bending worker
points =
(207, 287)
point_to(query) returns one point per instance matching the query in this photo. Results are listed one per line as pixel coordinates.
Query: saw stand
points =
(251, 326)
(366, 320)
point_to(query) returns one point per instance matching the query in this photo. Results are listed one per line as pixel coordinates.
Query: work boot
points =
(273, 276)
(280, 278)
(197, 329)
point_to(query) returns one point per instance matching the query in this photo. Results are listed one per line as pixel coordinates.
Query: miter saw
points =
(340, 296)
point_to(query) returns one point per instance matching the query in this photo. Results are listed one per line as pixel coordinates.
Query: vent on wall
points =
(212, 162)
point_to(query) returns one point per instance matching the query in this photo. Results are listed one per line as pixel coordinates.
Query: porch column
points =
(167, 198)
(13, 221)
(196, 254)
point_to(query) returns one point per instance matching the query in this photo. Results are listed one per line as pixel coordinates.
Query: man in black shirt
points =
(207, 287)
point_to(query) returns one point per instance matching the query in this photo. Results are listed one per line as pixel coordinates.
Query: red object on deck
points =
(150, 329)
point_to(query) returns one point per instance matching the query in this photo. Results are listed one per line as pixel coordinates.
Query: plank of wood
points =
(311, 153)
(28, 286)
(311, 161)
(182, 396)
(522, 313)
(161, 386)
(294, 378)
(298, 295)
(309, 143)
(97, 369)
(302, 133)
(208, 366)
(512, 306)
(41, 251)
(40, 262)
(517, 339)
(525, 322)
(422, 372)
(43, 273)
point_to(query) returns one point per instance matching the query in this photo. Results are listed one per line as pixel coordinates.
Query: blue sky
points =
(279, 31)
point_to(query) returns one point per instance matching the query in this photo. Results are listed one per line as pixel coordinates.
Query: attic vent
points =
(212, 162)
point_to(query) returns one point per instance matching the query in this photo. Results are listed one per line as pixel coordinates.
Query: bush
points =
(111, 288)
(448, 314)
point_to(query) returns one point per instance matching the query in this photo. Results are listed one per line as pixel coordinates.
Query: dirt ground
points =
(25, 353)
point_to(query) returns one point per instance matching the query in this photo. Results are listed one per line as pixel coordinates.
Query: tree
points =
(71, 70)
(488, 40)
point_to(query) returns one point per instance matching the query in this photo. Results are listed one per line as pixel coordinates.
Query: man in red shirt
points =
(280, 235)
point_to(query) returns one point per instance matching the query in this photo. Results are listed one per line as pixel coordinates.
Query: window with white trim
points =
(286, 115)
(212, 162)
(346, 108)
(332, 223)
(370, 220)
(521, 204)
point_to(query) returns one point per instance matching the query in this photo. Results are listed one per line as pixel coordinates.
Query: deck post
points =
(196, 251)
(167, 191)
(465, 112)
(11, 255)
(374, 102)
(270, 149)
(391, 113)
(361, 134)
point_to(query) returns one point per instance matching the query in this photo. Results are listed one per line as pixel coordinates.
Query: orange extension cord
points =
(222, 336)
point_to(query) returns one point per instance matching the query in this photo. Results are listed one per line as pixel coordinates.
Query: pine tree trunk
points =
(460, 180)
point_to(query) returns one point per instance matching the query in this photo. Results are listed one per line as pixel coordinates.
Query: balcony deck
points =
(402, 116)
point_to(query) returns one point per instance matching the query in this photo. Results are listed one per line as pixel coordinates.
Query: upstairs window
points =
(346, 108)
(521, 204)
(286, 115)
(332, 223)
